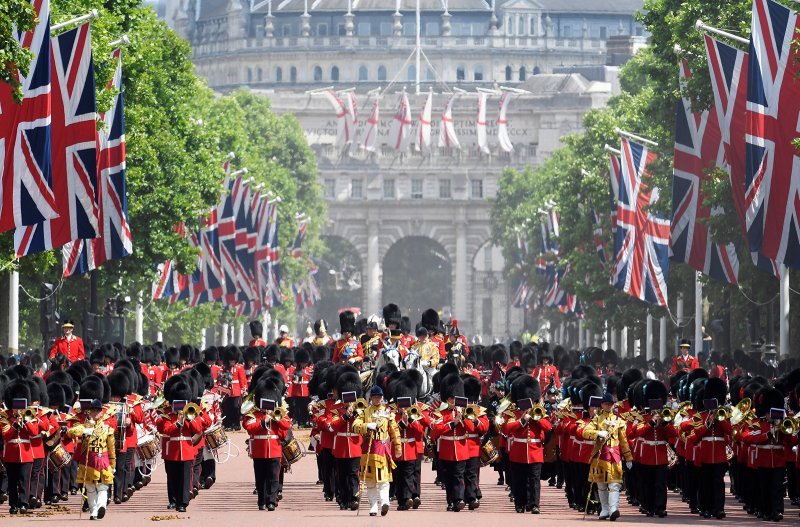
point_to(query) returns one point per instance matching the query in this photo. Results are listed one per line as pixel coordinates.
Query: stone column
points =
(459, 307)
(373, 285)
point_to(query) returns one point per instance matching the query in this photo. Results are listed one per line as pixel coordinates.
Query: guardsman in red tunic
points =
(71, 346)
(177, 426)
(546, 373)
(267, 425)
(233, 379)
(346, 441)
(412, 425)
(320, 418)
(257, 332)
(58, 479)
(450, 433)
(684, 361)
(18, 423)
(298, 396)
(526, 432)
(713, 438)
(477, 414)
(348, 348)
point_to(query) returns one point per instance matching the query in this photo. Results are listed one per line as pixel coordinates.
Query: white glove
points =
(602, 434)
(629, 465)
(352, 360)
(372, 426)
(795, 449)
(426, 363)
(88, 431)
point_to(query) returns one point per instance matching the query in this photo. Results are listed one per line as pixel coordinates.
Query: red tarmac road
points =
(230, 503)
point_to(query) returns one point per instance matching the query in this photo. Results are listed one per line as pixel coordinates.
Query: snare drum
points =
(292, 451)
(489, 453)
(148, 447)
(58, 457)
(216, 437)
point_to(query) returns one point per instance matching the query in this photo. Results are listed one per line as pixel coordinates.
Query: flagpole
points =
(140, 319)
(418, 50)
(611, 149)
(700, 26)
(13, 312)
(783, 320)
(649, 337)
(635, 137)
(88, 16)
(662, 339)
(698, 314)
(123, 41)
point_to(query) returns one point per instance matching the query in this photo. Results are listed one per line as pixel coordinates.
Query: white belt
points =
(453, 438)
(407, 440)
(524, 440)
(770, 447)
(265, 437)
(19, 441)
(472, 436)
(586, 442)
(180, 438)
(713, 439)
(653, 443)
(344, 434)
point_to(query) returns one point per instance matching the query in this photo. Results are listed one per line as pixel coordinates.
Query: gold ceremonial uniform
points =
(428, 351)
(96, 453)
(606, 462)
(379, 444)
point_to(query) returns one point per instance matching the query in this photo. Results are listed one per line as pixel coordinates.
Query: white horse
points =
(413, 361)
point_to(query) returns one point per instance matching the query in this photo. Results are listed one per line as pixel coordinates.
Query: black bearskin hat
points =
(717, 389)
(211, 354)
(654, 390)
(767, 398)
(185, 352)
(97, 357)
(320, 354)
(91, 388)
(38, 389)
(287, 355)
(172, 357)
(525, 387)
(251, 355)
(405, 324)
(696, 392)
(266, 389)
(56, 396)
(205, 372)
(301, 356)
(180, 390)
(419, 380)
(610, 357)
(120, 383)
(472, 387)
(499, 355)
(596, 355)
(430, 320)
(587, 391)
(392, 315)
(446, 369)
(451, 386)
(349, 382)
(347, 321)
(404, 386)
(256, 329)
(230, 354)
(17, 389)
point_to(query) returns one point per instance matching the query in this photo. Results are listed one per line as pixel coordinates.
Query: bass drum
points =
(216, 437)
(489, 453)
(58, 457)
(148, 447)
(292, 451)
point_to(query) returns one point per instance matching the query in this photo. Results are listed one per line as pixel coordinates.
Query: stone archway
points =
(417, 275)
(339, 278)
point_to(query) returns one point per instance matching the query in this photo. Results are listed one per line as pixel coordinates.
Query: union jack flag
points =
(599, 243)
(728, 68)
(169, 281)
(296, 250)
(698, 148)
(550, 230)
(772, 167)
(243, 227)
(73, 150)
(641, 242)
(26, 194)
(226, 215)
(213, 275)
(114, 241)
(614, 175)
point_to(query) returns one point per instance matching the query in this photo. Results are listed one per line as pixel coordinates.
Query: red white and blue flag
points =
(614, 176)
(296, 250)
(26, 193)
(698, 149)
(641, 242)
(728, 69)
(227, 237)
(599, 242)
(772, 167)
(550, 232)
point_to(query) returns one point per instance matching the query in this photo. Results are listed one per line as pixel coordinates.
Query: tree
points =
(15, 15)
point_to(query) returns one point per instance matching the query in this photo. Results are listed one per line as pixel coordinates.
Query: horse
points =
(389, 355)
(413, 361)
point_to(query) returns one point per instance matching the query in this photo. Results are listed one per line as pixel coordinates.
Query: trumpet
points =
(537, 412)
(668, 414)
(413, 413)
(191, 411)
(721, 414)
(790, 426)
(473, 411)
(278, 414)
(741, 411)
(360, 405)
(27, 415)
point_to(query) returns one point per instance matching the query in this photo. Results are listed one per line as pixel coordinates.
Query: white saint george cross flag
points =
(424, 128)
(352, 110)
(343, 128)
(503, 140)
(371, 129)
(447, 132)
(480, 124)
(400, 130)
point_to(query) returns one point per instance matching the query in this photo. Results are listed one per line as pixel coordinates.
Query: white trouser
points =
(378, 494)
(96, 497)
(602, 493)
(611, 499)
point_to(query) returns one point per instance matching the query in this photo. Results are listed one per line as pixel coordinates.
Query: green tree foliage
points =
(575, 177)
(14, 59)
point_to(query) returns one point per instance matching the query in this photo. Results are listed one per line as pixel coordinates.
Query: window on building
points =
(335, 73)
(603, 32)
(388, 189)
(259, 74)
(460, 73)
(317, 73)
(386, 29)
(293, 74)
(363, 29)
(286, 30)
(409, 29)
(322, 30)
(521, 26)
(357, 188)
(330, 188)
(444, 189)
(381, 73)
(430, 75)
(510, 26)
(363, 73)
(537, 70)
(566, 32)
(477, 188)
(478, 73)
(522, 73)
(249, 75)
(412, 73)
(278, 74)
(509, 73)
(432, 29)
(340, 30)
(532, 26)
(416, 189)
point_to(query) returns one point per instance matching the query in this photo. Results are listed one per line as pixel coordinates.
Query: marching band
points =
(382, 400)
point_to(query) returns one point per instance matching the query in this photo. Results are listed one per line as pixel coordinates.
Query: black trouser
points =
(298, 409)
(197, 469)
(690, 483)
(267, 472)
(179, 480)
(569, 482)
(791, 480)
(472, 479)
(653, 479)
(121, 474)
(526, 484)
(208, 469)
(328, 469)
(415, 492)
(56, 482)
(38, 478)
(19, 483)
(73, 475)
(347, 479)
(581, 485)
(770, 487)
(405, 481)
(231, 418)
(452, 474)
(712, 487)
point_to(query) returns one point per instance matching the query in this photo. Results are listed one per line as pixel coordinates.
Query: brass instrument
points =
(413, 413)
(360, 405)
(27, 415)
(741, 411)
(278, 413)
(681, 413)
(721, 414)
(191, 411)
(668, 414)
(473, 411)
(537, 412)
(790, 426)
(248, 404)
(632, 415)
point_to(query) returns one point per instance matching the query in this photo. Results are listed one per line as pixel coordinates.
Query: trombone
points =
(413, 413)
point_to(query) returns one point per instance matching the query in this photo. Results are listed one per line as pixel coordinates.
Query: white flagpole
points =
(698, 314)
(783, 332)
(700, 26)
(88, 16)
(635, 137)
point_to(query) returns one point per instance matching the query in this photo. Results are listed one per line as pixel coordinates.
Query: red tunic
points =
(177, 442)
(346, 443)
(687, 363)
(452, 440)
(347, 350)
(298, 381)
(72, 349)
(17, 442)
(713, 440)
(652, 441)
(765, 452)
(265, 442)
(526, 443)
